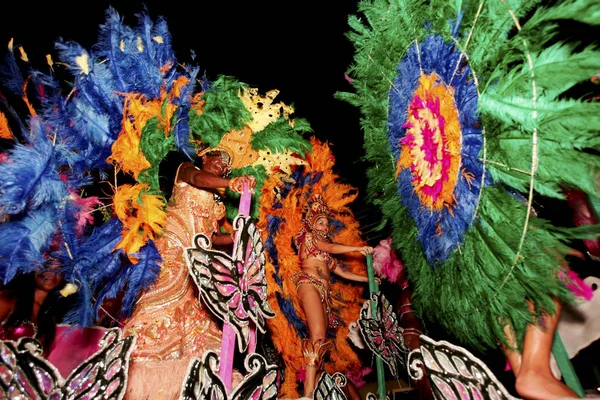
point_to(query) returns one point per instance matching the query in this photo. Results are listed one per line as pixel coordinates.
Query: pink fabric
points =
(229, 337)
(72, 346)
(356, 376)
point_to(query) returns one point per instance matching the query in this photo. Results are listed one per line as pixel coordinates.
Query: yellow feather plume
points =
(137, 111)
(126, 149)
(143, 216)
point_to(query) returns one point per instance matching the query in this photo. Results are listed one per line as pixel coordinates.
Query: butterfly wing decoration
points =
(329, 387)
(249, 253)
(233, 288)
(203, 380)
(382, 333)
(455, 372)
(25, 374)
(261, 381)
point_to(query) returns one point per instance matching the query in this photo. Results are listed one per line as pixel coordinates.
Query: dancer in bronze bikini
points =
(315, 250)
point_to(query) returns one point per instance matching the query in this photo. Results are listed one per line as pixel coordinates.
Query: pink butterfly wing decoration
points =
(233, 287)
(382, 333)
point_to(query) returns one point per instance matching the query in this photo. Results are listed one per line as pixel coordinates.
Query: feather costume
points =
(281, 220)
(463, 105)
(130, 103)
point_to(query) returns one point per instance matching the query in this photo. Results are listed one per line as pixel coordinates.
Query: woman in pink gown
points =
(170, 324)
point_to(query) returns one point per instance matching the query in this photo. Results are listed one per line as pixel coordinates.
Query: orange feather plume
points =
(344, 296)
(143, 216)
(137, 111)
(5, 132)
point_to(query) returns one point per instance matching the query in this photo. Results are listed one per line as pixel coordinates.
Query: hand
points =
(237, 184)
(365, 250)
(377, 280)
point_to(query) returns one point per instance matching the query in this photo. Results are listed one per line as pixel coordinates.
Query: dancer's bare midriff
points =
(317, 269)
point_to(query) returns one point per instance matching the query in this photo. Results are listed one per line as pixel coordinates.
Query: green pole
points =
(374, 288)
(565, 366)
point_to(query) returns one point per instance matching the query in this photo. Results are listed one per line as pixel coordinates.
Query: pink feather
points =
(86, 207)
(301, 375)
(577, 285)
(385, 262)
(356, 376)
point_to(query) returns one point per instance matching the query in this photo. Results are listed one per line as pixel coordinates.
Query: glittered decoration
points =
(262, 108)
(279, 162)
(236, 143)
(382, 333)
(455, 373)
(203, 380)
(329, 387)
(25, 374)
(233, 287)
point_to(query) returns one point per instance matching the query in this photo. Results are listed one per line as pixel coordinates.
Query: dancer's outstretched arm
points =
(336, 248)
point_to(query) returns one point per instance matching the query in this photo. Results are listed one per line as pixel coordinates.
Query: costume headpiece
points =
(313, 210)
(236, 143)
(222, 154)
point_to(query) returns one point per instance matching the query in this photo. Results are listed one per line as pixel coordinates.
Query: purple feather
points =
(11, 76)
(112, 34)
(181, 130)
(96, 258)
(82, 312)
(94, 83)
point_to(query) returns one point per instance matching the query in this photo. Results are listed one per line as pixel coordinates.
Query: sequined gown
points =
(170, 324)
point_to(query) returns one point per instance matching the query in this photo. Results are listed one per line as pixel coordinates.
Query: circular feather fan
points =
(467, 117)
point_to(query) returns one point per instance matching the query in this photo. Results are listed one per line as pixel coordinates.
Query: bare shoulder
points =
(186, 171)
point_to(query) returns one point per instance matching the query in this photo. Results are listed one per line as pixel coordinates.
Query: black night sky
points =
(299, 48)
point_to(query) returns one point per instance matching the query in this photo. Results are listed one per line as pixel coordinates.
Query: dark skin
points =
(45, 282)
(211, 177)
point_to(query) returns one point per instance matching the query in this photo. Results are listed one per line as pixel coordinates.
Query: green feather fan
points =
(468, 116)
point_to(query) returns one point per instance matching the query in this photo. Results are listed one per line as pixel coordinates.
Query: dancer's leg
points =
(316, 320)
(534, 378)
(513, 356)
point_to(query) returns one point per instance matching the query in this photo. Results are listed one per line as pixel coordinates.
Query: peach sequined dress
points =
(170, 323)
